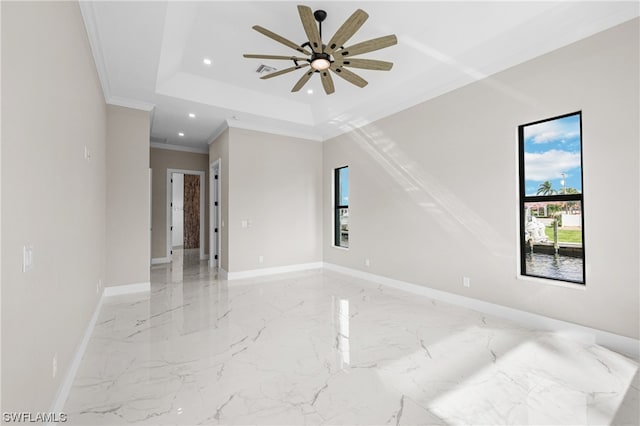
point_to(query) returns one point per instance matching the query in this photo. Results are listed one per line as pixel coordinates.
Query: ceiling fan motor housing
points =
(320, 15)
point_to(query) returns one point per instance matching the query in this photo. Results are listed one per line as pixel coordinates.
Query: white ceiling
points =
(150, 55)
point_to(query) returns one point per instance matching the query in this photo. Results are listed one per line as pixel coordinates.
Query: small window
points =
(341, 202)
(551, 205)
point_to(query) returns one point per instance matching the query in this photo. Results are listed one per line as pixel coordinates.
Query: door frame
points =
(169, 216)
(215, 216)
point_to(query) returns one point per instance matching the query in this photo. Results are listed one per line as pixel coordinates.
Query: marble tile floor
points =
(321, 348)
(182, 257)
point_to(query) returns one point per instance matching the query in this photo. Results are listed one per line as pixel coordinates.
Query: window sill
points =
(564, 284)
(340, 248)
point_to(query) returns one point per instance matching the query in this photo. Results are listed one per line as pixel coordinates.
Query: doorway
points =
(185, 215)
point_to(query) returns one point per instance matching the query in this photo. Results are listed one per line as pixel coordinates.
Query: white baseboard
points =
(224, 275)
(271, 271)
(163, 260)
(65, 386)
(117, 290)
(67, 382)
(621, 344)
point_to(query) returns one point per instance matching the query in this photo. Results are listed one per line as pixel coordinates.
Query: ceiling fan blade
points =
(351, 77)
(280, 39)
(303, 80)
(365, 64)
(367, 46)
(327, 82)
(310, 27)
(347, 30)
(291, 58)
(284, 71)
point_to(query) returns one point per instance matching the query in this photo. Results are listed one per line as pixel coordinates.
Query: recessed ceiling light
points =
(192, 115)
(180, 134)
(206, 61)
(310, 91)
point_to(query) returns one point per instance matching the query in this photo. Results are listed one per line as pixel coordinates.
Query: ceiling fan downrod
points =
(320, 16)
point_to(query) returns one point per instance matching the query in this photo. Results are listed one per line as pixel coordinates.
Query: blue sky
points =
(344, 186)
(551, 148)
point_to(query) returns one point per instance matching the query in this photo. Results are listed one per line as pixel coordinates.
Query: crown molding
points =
(171, 147)
(131, 103)
(216, 134)
(91, 27)
(90, 24)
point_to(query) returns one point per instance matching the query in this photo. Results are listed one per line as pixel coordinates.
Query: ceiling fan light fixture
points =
(320, 64)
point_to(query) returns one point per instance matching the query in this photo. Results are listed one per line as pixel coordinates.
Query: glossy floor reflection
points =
(319, 347)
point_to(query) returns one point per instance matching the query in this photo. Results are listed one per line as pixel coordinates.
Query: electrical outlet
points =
(367, 262)
(54, 365)
(466, 281)
(261, 259)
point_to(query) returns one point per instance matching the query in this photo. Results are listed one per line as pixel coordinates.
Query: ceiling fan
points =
(331, 56)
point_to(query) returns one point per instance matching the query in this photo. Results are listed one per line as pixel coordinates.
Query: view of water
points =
(559, 267)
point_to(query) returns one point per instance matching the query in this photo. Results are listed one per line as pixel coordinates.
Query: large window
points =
(551, 207)
(341, 207)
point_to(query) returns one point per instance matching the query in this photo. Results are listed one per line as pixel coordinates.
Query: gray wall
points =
(433, 193)
(128, 207)
(161, 160)
(274, 182)
(52, 198)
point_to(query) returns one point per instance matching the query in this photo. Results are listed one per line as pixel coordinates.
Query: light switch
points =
(244, 223)
(27, 258)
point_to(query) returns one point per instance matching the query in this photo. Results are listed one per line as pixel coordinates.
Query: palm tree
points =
(571, 204)
(546, 189)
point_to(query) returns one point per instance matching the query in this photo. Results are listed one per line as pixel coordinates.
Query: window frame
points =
(524, 199)
(337, 207)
